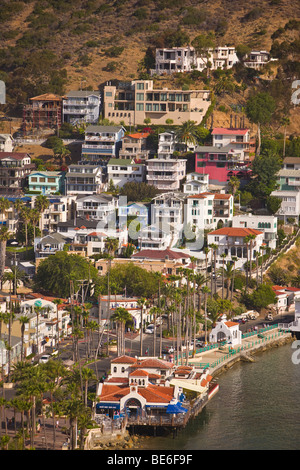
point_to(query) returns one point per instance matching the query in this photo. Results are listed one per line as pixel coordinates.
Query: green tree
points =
(56, 272)
(121, 316)
(262, 297)
(259, 110)
(187, 133)
(4, 237)
(265, 168)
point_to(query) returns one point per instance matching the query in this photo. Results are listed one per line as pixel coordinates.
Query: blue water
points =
(256, 408)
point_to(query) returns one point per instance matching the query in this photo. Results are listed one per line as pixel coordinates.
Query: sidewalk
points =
(43, 440)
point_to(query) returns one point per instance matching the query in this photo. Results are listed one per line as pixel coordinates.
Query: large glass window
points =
(140, 106)
(140, 96)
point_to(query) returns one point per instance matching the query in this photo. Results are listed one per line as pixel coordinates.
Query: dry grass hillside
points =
(79, 34)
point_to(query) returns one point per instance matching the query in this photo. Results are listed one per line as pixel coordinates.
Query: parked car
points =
(149, 329)
(45, 358)
(269, 317)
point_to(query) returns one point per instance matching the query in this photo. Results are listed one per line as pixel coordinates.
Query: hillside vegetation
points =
(54, 45)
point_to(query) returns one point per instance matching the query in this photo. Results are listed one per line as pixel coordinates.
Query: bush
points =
(114, 51)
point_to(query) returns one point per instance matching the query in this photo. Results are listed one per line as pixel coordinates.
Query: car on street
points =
(45, 358)
(149, 329)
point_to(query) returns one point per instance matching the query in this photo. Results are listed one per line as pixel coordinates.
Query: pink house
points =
(227, 156)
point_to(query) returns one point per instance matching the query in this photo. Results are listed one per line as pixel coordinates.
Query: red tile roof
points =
(153, 364)
(15, 155)
(124, 360)
(231, 323)
(235, 232)
(160, 254)
(225, 131)
(139, 135)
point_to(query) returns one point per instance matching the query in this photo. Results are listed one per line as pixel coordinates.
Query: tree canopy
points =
(55, 273)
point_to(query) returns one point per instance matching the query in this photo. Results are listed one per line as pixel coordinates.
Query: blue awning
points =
(115, 406)
(176, 408)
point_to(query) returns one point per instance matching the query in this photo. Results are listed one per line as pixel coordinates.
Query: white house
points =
(196, 183)
(101, 207)
(237, 139)
(290, 204)
(208, 210)
(166, 173)
(131, 304)
(226, 331)
(82, 178)
(268, 224)
(81, 106)
(121, 171)
(233, 242)
(6, 143)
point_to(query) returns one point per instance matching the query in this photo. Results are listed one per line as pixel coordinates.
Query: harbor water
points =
(257, 408)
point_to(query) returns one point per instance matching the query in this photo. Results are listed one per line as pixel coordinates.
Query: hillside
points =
(53, 45)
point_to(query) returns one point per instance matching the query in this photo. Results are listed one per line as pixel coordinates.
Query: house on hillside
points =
(6, 143)
(121, 171)
(101, 143)
(47, 182)
(43, 112)
(15, 168)
(82, 106)
(233, 242)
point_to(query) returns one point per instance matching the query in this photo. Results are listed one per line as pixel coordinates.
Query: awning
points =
(114, 406)
(176, 408)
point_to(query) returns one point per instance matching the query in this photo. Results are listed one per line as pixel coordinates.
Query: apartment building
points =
(135, 146)
(47, 182)
(82, 178)
(232, 241)
(168, 144)
(81, 106)
(60, 209)
(185, 59)
(121, 171)
(15, 168)
(102, 143)
(167, 215)
(137, 103)
(166, 173)
(268, 224)
(208, 211)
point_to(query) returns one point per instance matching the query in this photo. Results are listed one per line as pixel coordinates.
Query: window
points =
(140, 86)
(108, 93)
(140, 106)
(140, 96)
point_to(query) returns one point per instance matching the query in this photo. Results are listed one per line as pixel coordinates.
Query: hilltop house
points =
(196, 183)
(6, 143)
(185, 59)
(137, 102)
(81, 106)
(268, 224)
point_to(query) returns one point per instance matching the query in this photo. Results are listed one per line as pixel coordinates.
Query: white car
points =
(150, 329)
(45, 358)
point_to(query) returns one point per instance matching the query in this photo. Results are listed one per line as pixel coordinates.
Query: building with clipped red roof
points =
(228, 331)
(236, 242)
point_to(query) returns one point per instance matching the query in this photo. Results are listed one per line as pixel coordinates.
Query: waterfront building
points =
(226, 331)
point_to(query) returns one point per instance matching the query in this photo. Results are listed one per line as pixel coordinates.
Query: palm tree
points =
(4, 236)
(25, 214)
(87, 376)
(227, 275)
(41, 204)
(4, 206)
(251, 238)
(223, 256)
(141, 303)
(121, 316)
(18, 204)
(234, 259)
(23, 321)
(205, 291)
(34, 219)
(111, 245)
(214, 247)
(57, 302)
(187, 133)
